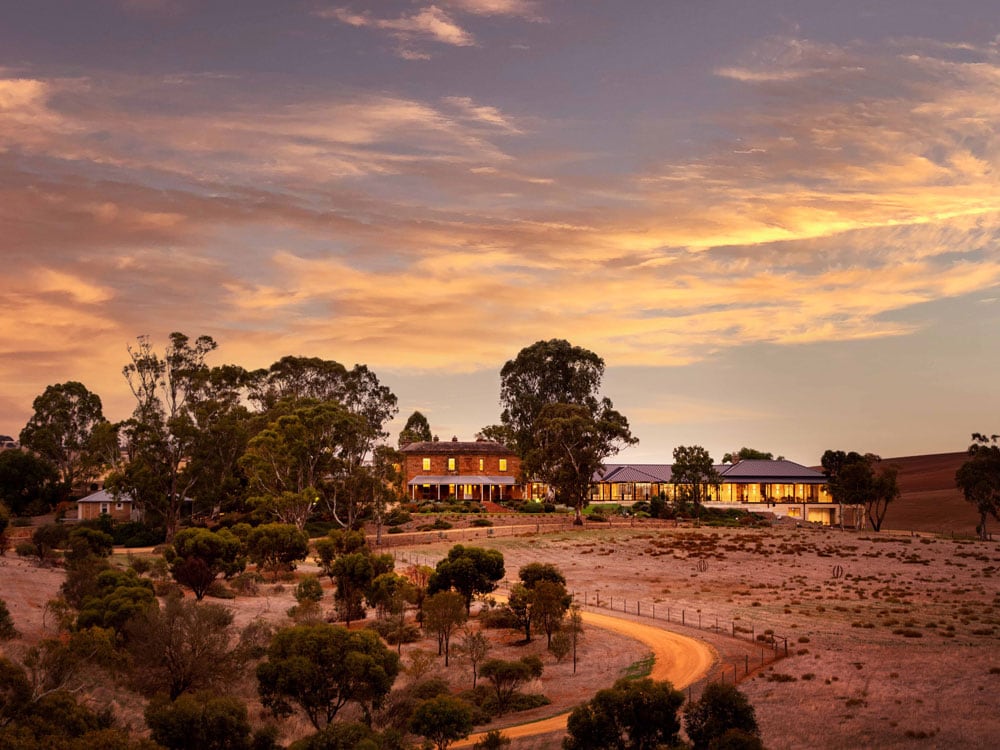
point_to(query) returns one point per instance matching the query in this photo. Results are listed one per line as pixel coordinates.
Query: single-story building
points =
(781, 487)
(102, 502)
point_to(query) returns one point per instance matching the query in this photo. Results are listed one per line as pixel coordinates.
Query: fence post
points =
(682, 617)
(637, 608)
(746, 667)
(699, 620)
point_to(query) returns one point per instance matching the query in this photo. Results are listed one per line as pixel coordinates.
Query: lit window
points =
(427, 464)
(481, 464)
(503, 464)
(451, 464)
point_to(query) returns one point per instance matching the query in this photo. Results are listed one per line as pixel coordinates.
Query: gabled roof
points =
(748, 471)
(756, 470)
(103, 496)
(641, 473)
(454, 447)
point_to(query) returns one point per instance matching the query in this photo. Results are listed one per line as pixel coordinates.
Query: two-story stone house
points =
(477, 470)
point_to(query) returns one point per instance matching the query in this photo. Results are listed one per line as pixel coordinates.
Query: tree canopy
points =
(694, 472)
(320, 668)
(416, 429)
(468, 570)
(979, 478)
(61, 430)
(631, 715)
(747, 454)
(547, 372)
(571, 442)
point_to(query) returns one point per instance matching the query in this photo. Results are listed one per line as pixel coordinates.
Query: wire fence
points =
(762, 646)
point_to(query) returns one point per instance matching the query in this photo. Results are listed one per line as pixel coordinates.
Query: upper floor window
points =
(482, 464)
(503, 464)
(426, 464)
(451, 464)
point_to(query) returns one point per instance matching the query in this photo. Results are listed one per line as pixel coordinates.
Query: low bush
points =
(219, 590)
(397, 517)
(137, 534)
(481, 522)
(499, 617)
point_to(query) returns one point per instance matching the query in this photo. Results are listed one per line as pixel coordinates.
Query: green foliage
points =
(632, 715)
(693, 473)
(397, 517)
(74, 662)
(48, 538)
(61, 431)
(547, 372)
(309, 590)
(862, 481)
(979, 479)
(84, 542)
(747, 454)
(138, 534)
(444, 612)
(505, 677)
(468, 570)
(202, 720)
(197, 556)
(721, 708)
(571, 442)
(163, 433)
(53, 721)
(442, 720)
(29, 485)
(120, 595)
(340, 735)
(182, 646)
(417, 429)
(7, 630)
(320, 668)
(276, 547)
(492, 740)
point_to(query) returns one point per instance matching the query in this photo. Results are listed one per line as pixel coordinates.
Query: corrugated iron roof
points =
(438, 479)
(756, 470)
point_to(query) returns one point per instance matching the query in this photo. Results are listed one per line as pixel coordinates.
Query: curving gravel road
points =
(677, 658)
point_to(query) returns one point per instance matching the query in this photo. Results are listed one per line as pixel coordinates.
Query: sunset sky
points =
(776, 220)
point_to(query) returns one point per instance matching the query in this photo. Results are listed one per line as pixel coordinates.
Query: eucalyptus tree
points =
(979, 478)
(162, 433)
(694, 473)
(61, 430)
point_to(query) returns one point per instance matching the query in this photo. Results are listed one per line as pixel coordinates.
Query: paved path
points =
(677, 658)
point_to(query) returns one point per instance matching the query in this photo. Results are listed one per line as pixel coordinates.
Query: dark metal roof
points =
(640, 473)
(755, 470)
(743, 472)
(454, 447)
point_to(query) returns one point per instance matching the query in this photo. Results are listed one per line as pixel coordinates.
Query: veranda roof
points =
(482, 479)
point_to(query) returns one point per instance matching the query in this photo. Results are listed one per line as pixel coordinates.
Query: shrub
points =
(481, 522)
(137, 534)
(720, 709)
(219, 590)
(397, 517)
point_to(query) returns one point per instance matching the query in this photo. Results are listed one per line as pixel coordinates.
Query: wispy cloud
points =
(430, 23)
(343, 223)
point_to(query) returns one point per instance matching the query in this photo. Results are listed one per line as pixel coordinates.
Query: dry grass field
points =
(894, 638)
